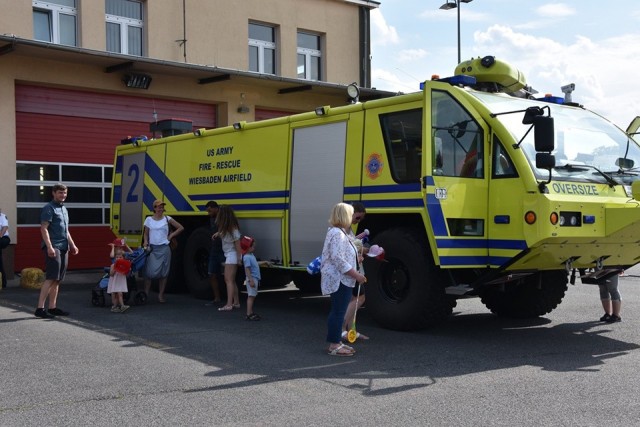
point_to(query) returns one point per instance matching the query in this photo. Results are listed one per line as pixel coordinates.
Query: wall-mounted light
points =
(239, 125)
(198, 132)
(354, 92)
(137, 81)
(322, 111)
(243, 108)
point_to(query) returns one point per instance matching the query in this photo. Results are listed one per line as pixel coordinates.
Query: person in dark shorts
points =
(358, 295)
(57, 243)
(4, 243)
(216, 256)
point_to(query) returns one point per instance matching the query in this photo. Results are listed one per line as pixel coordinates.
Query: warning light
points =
(530, 217)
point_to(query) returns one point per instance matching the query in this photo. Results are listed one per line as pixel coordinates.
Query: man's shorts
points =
(56, 267)
(216, 259)
(252, 292)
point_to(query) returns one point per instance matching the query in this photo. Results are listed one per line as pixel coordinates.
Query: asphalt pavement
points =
(182, 363)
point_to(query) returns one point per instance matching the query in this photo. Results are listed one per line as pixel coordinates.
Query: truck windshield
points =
(582, 138)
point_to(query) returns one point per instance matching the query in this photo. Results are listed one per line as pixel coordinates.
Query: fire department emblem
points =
(374, 165)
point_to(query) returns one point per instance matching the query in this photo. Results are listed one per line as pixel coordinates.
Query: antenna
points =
(183, 41)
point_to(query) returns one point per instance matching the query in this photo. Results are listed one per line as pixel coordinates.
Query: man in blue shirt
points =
(56, 243)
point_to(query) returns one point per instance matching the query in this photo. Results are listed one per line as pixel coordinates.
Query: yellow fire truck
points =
(472, 186)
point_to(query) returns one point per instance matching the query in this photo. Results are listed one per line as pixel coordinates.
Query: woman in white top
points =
(339, 274)
(157, 235)
(229, 232)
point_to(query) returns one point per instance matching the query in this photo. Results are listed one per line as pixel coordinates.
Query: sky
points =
(594, 44)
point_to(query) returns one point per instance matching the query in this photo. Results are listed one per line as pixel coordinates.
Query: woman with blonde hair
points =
(339, 275)
(229, 233)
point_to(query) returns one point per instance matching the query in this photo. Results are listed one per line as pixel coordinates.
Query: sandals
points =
(341, 351)
(236, 305)
(226, 308)
(252, 316)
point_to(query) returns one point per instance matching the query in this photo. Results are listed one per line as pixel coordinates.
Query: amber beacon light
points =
(530, 217)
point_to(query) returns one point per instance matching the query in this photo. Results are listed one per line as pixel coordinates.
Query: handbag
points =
(173, 243)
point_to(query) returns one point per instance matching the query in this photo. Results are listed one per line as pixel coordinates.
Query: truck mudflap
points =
(617, 247)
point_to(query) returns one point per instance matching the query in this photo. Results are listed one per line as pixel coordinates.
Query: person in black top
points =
(216, 256)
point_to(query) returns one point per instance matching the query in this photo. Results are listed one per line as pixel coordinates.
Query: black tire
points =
(196, 263)
(405, 292)
(175, 282)
(95, 299)
(532, 296)
(140, 298)
(101, 301)
(125, 297)
(307, 283)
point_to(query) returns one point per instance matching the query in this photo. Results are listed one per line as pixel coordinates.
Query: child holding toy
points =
(118, 280)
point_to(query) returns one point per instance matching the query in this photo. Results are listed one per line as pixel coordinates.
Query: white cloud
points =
(466, 15)
(406, 55)
(385, 34)
(392, 82)
(603, 70)
(555, 10)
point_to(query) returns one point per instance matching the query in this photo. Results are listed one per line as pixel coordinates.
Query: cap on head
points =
(245, 243)
(119, 242)
(157, 203)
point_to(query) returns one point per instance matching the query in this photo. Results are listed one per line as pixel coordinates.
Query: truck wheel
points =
(405, 292)
(196, 263)
(306, 283)
(532, 296)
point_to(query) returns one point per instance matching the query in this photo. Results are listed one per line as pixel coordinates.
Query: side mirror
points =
(545, 161)
(544, 133)
(624, 163)
(530, 113)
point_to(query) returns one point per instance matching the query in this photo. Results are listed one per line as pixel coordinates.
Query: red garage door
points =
(70, 136)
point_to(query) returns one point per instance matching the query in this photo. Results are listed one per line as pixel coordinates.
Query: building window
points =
(124, 26)
(55, 21)
(262, 48)
(309, 56)
(89, 191)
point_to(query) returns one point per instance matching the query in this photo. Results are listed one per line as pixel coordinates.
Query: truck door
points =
(130, 195)
(317, 183)
(457, 202)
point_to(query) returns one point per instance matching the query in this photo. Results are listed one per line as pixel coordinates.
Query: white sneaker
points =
(124, 308)
(115, 309)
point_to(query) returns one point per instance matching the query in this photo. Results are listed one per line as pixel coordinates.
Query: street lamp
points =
(455, 4)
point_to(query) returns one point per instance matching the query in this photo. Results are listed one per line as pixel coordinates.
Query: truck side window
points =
(502, 164)
(457, 139)
(402, 135)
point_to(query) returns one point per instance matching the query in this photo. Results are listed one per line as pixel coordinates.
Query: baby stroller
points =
(137, 258)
